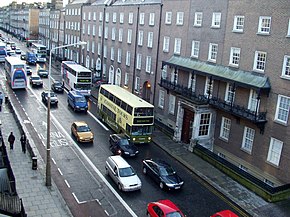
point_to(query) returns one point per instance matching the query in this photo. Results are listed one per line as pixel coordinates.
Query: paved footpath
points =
(38, 200)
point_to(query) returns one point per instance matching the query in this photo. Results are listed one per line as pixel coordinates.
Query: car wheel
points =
(120, 187)
(144, 170)
(161, 185)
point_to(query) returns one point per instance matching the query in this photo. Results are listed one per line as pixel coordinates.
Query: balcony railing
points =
(258, 118)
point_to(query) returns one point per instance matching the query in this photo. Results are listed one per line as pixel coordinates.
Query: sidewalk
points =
(38, 200)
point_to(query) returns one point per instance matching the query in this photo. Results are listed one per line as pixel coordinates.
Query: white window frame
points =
(112, 53)
(128, 58)
(260, 61)
(120, 35)
(264, 27)
(119, 55)
(100, 31)
(212, 52)
(191, 82)
(94, 16)
(142, 18)
(107, 17)
(121, 17)
(101, 16)
(248, 139)
(171, 104)
(216, 20)
(286, 67)
(89, 29)
(106, 32)
(129, 38)
(114, 18)
(113, 33)
(288, 33)
(139, 61)
(105, 51)
(161, 99)
(166, 41)
(94, 30)
(99, 48)
(275, 151)
(204, 124)
(282, 109)
(179, 18)
(235, 56)
(239, 22)
(150, 40)
(195, 49)
(151, 19)
(168, 17)
(225, 128)
(148, 64)
(208, 87)
(198, 19)
(140, 38)
(177, 46)
(126, 81)
(137, 84)
(130, 18)
(230, 94)
(253, 101)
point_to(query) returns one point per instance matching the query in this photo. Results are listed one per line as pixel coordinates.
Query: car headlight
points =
(137, 152)
(77, 106)
(169, 184)
(81, 137)
(134, 139)
(92, 136)
(126, 152)
(149, 138)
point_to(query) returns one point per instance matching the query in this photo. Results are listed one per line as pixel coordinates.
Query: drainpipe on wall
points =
(103, 43)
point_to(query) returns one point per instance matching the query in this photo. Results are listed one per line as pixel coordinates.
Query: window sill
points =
(285, 77)
(215, 27)
(211, 61)
(272, 164)
(233, 66)
(280, 122)
(258, 71)
(237, 31)
(198, 26)
(263, 33)
(223, 139)
(246, 151)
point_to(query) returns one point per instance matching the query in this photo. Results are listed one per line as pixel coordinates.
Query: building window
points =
(191, 82)
(151, 19)
(168, 17)
(235, 56)
(114, 17)
(253, 104)
(105, 51)
(89, 16)
(161, 99)
(275, 150)
(288, 34)
(131, 16)
(268, 182)
(140, 38)
(197, 19)
(216, 20)
(212, 53)
(177, 46)
(84, 15)
(107, 17)
(99, 48)
(113, 34)
(195, 49)
(179, 19)
(148, 64)
(150, 40)
(286, 67)
(282, 109)
(106, 32)
(128, 58)
(230, 93)
(166, 44)
(164, 72)
(126, 79)
(139, 59)
(101, 16)
(94, 30)
(100, 31)
(112, 53)
(171, 104)
(142, 19)
(94, 16)
(248, 139)
(84, 28)
(89, 29)
(120, 35)
(264, 25)
(225, 128)
(204, 124)
(93, 47)
(129, 39)
(260, 61)
(137, 84)
(239, 24)
(121, 17)
(208, 87)
(119, 55)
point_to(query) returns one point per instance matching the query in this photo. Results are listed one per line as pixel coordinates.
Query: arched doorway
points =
(111, 75)
(118, 77)
(146, 91)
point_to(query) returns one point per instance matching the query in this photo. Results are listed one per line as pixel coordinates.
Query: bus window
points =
(141, 130)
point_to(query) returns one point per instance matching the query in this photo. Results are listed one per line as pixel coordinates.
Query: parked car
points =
(224, 213)
(28, 70)
(162, 173)
(42, 72)
(122, 174)
(57, 87)
(53, 98)
(120, 145)
(82, 132)
(17, 51)
(163, 208)
(35, 80)
(23, 56)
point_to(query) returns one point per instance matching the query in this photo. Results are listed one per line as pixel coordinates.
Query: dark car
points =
(23, 56)
(120, 145)
(57, 87)
(53, 98)
(162, 173)
(28, 70)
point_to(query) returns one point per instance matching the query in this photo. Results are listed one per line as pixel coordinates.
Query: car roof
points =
(167, 206)
(34, 76)
(120, 161)
(159, 162)
(120, 136)
(80, 123)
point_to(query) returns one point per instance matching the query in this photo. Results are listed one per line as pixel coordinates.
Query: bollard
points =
(34, 163)
(6, 99)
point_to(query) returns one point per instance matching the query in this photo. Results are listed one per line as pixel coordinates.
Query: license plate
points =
(177, 187)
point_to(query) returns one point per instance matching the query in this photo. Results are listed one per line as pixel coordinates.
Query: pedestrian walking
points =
(1, 100)
(23, 142)
(11, 140)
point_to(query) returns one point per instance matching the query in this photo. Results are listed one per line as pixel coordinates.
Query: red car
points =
(225, 213)
(163, 208)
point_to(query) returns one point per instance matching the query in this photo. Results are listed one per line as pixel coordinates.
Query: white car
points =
(18, 51)
(42, 72)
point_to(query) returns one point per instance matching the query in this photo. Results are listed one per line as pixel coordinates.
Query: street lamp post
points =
(48, 165)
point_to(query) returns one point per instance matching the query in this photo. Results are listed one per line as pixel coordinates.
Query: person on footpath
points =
(1, 100)
(23, 142)
(11, 140)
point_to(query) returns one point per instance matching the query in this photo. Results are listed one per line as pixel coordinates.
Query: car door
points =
(74, 129)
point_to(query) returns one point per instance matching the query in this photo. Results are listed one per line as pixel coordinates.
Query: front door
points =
(186, 126)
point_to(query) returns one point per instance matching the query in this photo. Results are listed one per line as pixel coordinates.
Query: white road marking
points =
(67, 183)
(99, 122)
(53, 161)
(59, 171)
(77, 199)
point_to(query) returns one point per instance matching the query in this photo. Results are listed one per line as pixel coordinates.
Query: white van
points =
(122, 174)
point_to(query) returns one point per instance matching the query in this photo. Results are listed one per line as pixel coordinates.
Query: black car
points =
(57, 87)
(23, 56)
(120, 145)
(162, 173)
(53, 98)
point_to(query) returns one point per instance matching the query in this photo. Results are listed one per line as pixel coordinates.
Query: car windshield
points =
(81, 99)
(35, 78)
(174, 214)
(166, 171)
(42, 70)
(84, 129)
(57, 84)
(125, 172)
(124, 142)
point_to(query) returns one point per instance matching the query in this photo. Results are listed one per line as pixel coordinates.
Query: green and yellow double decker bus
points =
(126, 113)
